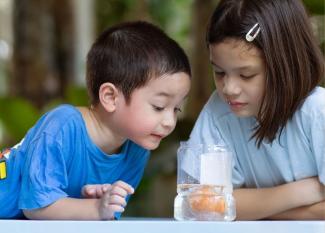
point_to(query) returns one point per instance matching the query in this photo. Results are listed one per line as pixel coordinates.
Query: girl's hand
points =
(113, 200)
(94, 190)
(310, 190)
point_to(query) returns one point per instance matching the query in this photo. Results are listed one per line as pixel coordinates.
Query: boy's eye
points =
(177, 110)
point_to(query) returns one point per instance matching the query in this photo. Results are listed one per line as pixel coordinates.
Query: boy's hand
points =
(113, 200)
(94, 190)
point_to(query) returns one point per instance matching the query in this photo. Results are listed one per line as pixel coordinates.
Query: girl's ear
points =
(108, 95)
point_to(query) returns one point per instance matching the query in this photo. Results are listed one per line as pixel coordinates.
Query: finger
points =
(88, 191)
(129, 189)
(117, 190)
(116, 208)
(106, 187)
(101, 189)
(117, 200)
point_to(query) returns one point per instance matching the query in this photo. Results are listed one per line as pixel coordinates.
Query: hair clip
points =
(250, 37)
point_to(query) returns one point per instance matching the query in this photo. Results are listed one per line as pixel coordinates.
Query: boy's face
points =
(239, 75)
(152, 111)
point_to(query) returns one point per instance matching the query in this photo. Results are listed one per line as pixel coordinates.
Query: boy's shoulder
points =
(63, 110)
(56, 119)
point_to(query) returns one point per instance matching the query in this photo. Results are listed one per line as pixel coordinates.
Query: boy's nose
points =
(169, 120)
(231, 87)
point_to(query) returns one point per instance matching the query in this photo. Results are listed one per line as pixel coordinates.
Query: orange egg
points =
(207, 200)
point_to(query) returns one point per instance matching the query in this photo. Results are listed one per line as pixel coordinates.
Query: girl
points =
(267, 107)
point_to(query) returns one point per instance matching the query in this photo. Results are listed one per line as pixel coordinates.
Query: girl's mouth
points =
(236, 105)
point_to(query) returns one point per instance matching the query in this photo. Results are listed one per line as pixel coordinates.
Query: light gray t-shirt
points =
(300, 152)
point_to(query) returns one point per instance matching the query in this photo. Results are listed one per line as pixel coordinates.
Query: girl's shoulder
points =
(315, 102)
(312, 111)
(217, 107)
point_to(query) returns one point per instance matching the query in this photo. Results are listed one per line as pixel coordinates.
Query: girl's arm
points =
(262, 203)
(310, 212)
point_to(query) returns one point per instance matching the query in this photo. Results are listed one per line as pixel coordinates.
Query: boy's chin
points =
(150, 146)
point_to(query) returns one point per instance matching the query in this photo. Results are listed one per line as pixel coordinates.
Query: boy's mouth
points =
(158, 136)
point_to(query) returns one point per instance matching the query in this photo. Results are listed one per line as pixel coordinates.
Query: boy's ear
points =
(108, 95)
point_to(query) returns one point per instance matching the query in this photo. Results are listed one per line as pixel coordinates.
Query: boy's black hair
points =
(293, 60)
(128, 55)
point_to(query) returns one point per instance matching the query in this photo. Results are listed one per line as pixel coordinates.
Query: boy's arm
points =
(252, 204)
(310, 212)
(103, 208)
(67, 208)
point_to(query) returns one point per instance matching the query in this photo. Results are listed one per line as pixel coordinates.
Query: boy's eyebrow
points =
(164, 94)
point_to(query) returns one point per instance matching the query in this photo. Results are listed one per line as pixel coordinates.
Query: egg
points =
(205, 199)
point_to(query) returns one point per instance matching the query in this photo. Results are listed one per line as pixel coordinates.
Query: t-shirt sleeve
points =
(318, 142)
(44, 176)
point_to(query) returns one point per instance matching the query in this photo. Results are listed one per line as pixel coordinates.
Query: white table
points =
(141, 225)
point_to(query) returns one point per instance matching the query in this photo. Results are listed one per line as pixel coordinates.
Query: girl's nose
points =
(231, 87)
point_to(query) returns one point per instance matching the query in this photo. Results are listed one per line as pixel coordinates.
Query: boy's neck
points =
(99, 131)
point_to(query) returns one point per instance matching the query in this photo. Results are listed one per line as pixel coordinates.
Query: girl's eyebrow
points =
(237, 68)
(244, 67)
(214, 65)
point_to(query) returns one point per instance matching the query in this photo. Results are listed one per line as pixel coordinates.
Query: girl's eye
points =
(219, 74)
(158, 109)
(247, 76)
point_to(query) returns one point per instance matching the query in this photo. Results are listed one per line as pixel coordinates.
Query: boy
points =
(137, 78)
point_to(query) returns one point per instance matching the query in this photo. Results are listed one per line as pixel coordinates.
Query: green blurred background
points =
(43, 45)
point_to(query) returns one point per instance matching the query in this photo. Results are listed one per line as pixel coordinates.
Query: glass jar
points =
(204, 188)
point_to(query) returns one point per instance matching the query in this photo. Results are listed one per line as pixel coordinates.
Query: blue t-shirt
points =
(299, 153)
(57, 158)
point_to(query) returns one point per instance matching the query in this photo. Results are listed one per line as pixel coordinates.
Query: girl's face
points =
(239, 75)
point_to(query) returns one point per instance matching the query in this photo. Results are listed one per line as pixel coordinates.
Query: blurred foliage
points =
(19, 115)
(315, 6)
(111, 12)
(172, 16)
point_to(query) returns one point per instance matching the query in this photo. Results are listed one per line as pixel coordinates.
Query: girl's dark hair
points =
(293, 60)
(129, 55)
